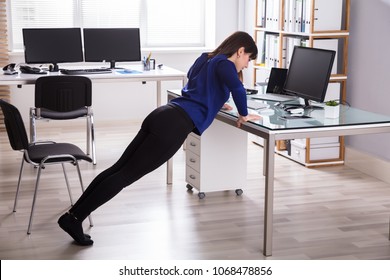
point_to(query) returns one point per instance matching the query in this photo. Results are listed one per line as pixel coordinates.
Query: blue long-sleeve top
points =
(210, 83)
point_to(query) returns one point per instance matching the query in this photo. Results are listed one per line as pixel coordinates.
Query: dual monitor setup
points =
(65, 45)
(307, 76)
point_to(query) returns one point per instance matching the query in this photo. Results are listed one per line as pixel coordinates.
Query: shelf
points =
(304, 34)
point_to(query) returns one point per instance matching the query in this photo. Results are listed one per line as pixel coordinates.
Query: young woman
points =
(211, 80)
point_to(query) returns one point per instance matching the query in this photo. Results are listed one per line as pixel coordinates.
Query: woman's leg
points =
(161, 135)
(139, 138)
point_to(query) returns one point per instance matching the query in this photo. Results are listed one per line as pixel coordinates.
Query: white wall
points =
(368, 69)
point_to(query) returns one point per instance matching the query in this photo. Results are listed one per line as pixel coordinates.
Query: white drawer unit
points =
(318, 152)
(323, 151)
(217, 160)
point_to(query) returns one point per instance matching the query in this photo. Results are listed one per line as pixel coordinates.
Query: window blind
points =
(168, 23)
(110, 13)
(39, 14)
(4, 59)
(180, 22)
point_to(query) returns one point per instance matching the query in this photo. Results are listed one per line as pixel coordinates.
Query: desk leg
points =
(158, 93)
(264, 157)
(269, 150)
(170, 161)
(169, 171)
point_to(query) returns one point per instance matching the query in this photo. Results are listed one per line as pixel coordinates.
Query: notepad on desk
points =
(256, 105)
(128, 71)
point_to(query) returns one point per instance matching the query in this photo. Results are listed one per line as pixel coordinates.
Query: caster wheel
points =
(189, 187)
(239, 191)
(201, 195)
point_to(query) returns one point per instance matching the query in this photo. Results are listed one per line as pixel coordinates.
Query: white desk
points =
(271, 128)
(158, 75)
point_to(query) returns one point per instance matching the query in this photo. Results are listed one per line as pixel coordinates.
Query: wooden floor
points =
(325, 213)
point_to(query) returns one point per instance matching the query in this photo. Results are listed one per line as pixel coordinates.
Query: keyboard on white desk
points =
(273, 97)
(85, 71)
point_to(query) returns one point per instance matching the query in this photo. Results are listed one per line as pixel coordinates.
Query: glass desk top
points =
(273, 117)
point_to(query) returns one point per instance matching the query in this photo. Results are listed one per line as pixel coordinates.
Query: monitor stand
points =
(307, 105)
(54, 68)
(112, 65)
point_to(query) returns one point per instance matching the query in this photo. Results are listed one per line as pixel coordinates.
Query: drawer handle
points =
(192, 177)
(193, 144)
(192, 160)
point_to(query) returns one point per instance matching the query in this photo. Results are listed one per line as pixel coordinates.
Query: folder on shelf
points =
(269, 14)
(291, 15)
(298, 15)
(328, 15)
(276, 15)
(260, 39)
(260, 20)
(306, 25)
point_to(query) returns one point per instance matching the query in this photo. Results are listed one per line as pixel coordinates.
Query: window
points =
(167, 23)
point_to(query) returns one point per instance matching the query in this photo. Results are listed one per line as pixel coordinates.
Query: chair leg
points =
(88, 135)
(91, 138)
(33, 130)
(18, 187)
(67, 184)
(82, 189)
(34, 199)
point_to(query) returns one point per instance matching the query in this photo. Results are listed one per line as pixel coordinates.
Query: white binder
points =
(327, 15)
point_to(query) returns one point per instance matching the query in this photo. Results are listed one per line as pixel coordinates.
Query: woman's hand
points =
(249, 117)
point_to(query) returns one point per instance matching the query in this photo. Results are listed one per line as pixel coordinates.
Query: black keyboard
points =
(85, 71)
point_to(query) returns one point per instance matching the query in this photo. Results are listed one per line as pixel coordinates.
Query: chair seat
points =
(82, 112)
(39, 151)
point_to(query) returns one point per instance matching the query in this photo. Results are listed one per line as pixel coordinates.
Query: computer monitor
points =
(52, 45)
(309, 73)
(112, 45)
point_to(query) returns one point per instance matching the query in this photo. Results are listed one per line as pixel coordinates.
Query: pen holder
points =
(332, 112)
(149, 64)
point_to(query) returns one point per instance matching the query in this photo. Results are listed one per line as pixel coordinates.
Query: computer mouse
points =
(9, 69)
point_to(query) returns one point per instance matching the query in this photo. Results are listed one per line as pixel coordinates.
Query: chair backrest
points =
(16, 130)
(63, 93)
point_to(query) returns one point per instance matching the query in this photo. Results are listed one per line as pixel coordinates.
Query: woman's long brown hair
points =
(233, 43)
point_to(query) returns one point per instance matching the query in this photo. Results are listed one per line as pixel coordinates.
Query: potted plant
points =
(332, 109)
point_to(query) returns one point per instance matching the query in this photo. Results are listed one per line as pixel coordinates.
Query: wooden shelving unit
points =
(282, 24)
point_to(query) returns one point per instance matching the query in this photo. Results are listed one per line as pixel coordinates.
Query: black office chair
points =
(64, 98)
(39, 154)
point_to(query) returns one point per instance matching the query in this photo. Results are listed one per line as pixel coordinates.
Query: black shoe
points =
(73, 227)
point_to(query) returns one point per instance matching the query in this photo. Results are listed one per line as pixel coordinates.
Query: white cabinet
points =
(322, 151)
(217, 160)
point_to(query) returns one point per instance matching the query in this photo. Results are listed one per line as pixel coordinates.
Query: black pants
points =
(162, 133)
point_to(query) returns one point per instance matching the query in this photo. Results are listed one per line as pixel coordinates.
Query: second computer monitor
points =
(112, 45)
(277, 78)
(309, 73)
